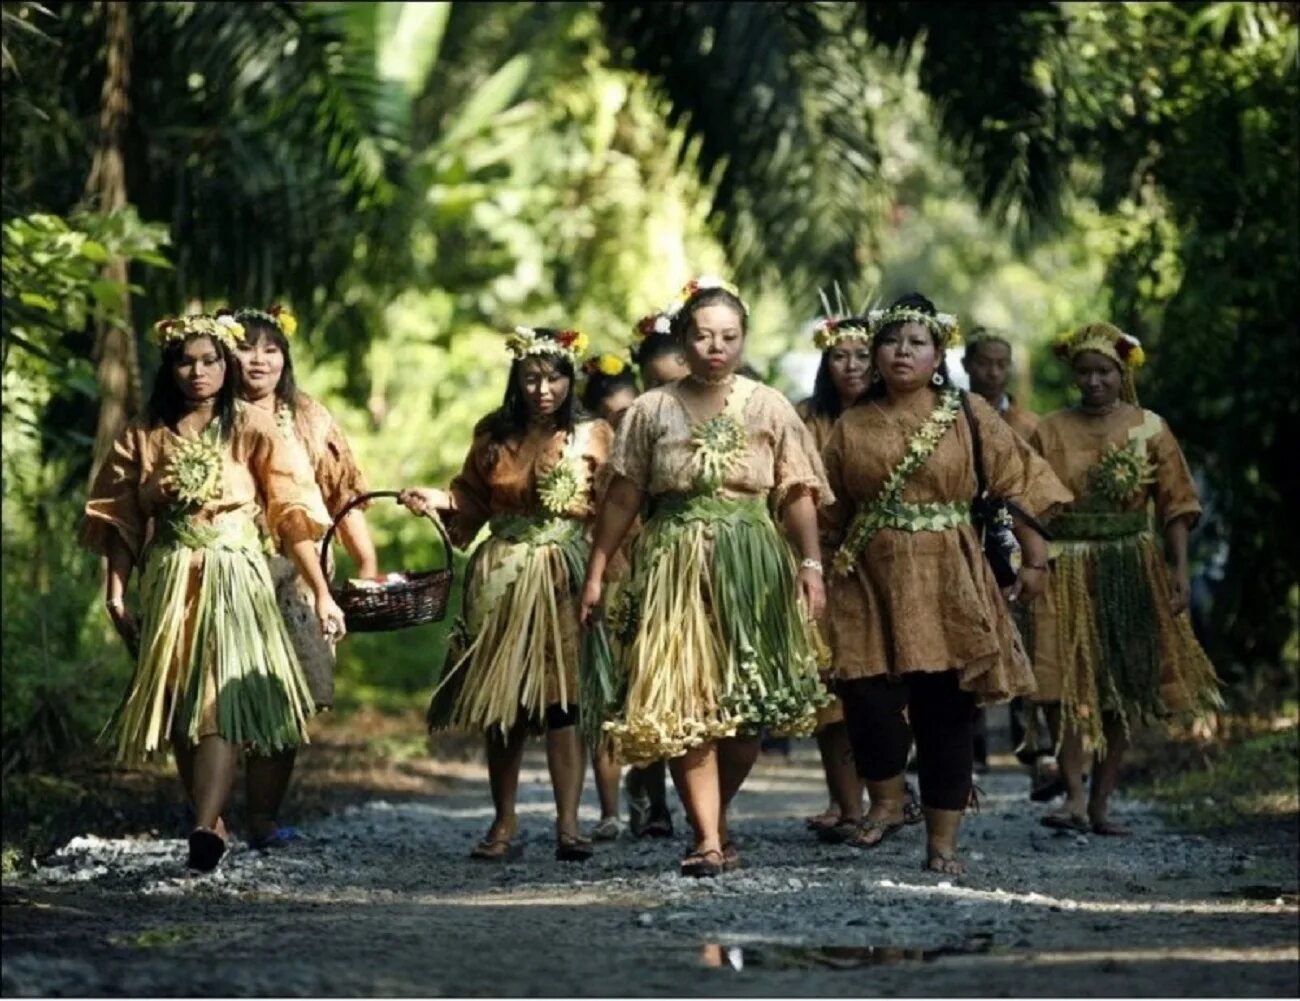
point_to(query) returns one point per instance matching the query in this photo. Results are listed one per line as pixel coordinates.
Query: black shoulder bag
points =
(994, 517)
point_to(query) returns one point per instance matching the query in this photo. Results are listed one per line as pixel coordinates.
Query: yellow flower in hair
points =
(1137, 357)
(287, 321)
(610, 364)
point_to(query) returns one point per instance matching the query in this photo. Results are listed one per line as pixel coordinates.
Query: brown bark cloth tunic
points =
(501, 479)
(260, 480)
(928, 601)
(1073, 442)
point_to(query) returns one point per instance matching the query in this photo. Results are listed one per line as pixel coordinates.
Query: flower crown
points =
(653, 323)
(222, 327)
(1104, 338)
(703, 284)
(527, 341)
(277, 315)
(832, 330)
(609, 365)
(944, 326)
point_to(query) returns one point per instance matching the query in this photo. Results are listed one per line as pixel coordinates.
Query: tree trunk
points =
(116, 357)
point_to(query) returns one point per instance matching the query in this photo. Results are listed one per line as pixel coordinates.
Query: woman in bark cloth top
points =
(715, 641)
(518, 660)
(916, 616)
(1113, 646)
(180, 496)
(317, 443)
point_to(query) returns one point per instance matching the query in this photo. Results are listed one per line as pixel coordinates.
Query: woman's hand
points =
(812, 592)
(423, 500)
(592, 590)
(1180, 589)
(127, 626)
(1030, 583)
(332, 623)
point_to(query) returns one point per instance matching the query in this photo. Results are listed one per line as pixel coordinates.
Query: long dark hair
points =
(825, 399)
(511, 418)
(258, 325)
(918, 302)
(167, 403)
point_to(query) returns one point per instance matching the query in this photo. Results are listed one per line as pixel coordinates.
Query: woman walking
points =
(180, 498)
(531, 476)
(321, 450)
(713, 623)
(922, 634)
(1114, 646)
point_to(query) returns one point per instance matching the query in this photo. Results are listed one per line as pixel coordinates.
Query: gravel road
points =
(380, 899)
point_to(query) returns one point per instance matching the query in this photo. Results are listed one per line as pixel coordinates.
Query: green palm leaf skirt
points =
(713, 641)
(215, 658)
(1124, 653)
(517, 647)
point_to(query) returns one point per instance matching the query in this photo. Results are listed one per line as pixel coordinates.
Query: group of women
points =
(663, 577)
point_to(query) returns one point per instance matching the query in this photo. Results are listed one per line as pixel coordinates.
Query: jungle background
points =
(415, 178)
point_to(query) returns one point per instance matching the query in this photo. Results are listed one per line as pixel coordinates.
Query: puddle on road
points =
(785, 956)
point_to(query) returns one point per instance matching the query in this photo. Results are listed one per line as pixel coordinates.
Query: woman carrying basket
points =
(180, 497)
(531, 476)
(317, 444)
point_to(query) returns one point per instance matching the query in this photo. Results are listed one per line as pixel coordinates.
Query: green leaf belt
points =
(684, 508)
(228, 532)
(535, 529)
(1085, 526)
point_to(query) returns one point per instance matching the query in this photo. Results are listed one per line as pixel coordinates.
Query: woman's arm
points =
(1180, 583)
(327, 610)
(619, 509)
(801, 526)
(1032, 577)
(120, 565)
(354, 533)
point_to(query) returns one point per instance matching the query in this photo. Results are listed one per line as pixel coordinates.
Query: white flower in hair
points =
(663, 323)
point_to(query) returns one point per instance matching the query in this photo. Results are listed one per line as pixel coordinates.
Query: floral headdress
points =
(222, 327)
(276, 316)
(943, 326)
(653, 323)
(703, 284)
(1107, 339)
(983, 335)
(527, 341)
(832, 330)
(607, 365)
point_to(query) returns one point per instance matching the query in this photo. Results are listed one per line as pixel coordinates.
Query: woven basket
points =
(419, 599)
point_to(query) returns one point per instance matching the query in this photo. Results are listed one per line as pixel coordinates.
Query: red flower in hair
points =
(566, 338)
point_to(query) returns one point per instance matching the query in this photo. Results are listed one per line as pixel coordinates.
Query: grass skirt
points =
(214, 655)
(714, 641)
(1122, 650)
(517, 647)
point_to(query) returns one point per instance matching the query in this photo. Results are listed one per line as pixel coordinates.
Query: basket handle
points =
(361, 499)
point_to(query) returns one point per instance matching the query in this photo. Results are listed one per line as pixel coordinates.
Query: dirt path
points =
(382, 901)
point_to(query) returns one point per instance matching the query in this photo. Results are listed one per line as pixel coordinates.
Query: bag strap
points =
(981, 482)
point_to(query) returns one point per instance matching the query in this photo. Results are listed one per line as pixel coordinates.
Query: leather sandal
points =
(858, 839)
(497, 850)
(1064, 821)
(944, 863)
(730, 856)
(571, 848)
(838, 833)
(700, 865)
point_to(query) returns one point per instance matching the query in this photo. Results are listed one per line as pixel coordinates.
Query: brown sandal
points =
(701, 865)
(1063, 821)
(1107, 829)
(858, 839)
(569, 848)
(823, 821)
(497, 850)
(941, 862)
(838, 834)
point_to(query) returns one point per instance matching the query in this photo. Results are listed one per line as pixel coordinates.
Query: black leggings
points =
(942, 718)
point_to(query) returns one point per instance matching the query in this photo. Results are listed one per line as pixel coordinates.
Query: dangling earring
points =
(875, 375)
(937, 378)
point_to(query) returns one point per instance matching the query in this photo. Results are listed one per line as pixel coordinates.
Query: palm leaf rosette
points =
(562, 489)
(719, 442)
(194, 472)
(1121, 474)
